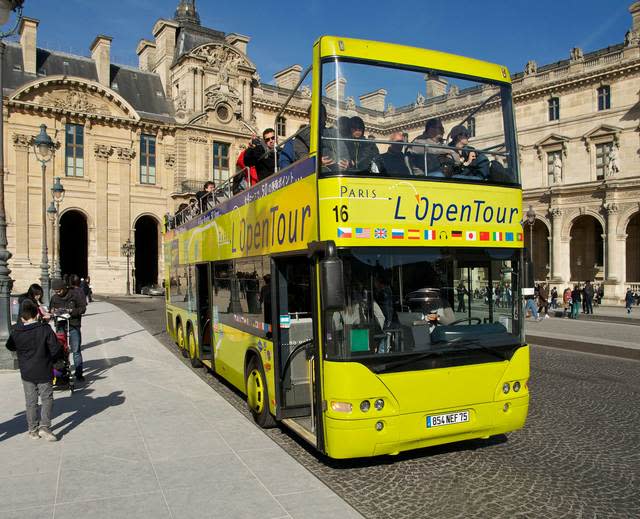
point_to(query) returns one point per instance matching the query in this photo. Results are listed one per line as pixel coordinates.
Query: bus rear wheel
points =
(181, 340)
(258, 395)
(192, 348)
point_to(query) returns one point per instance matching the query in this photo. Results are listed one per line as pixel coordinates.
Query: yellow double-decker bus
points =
(367, 295)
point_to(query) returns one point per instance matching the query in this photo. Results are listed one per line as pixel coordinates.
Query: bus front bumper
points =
(349, 438)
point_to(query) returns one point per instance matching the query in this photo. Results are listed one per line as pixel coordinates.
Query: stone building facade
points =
(135, 143)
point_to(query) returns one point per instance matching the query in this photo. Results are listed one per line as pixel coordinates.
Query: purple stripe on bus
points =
(274, 183)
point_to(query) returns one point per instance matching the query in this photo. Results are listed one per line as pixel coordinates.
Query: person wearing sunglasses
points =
(261, 155)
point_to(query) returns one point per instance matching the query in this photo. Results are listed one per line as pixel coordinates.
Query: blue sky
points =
(507, 32)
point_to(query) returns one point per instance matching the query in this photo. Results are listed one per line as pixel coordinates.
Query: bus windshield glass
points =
(401, 302)
(394, 122)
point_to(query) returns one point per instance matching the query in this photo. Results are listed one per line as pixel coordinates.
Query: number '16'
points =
(341, 213)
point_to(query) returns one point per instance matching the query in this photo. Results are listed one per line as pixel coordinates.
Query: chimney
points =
(28, 43)
(164, 32)
(634, 9)
(238, 41)
(436, 86)
(374, 100)
(101, 55)
(289, 77)
(146, 51)
(336, 88)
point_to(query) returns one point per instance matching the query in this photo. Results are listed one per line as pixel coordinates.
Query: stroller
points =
(62, 374)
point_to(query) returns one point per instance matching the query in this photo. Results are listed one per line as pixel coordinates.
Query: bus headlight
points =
(379, 404)
(365, 405)
(341, 407)
(505, 388)
(516, 386)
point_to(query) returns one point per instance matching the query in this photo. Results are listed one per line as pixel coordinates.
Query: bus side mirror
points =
(332, 284)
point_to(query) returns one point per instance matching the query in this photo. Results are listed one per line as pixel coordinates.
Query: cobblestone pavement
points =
(578, 455)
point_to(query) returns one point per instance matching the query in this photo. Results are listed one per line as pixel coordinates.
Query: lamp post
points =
(7, 361)
(128, 250)
(531, 221)
(57, 191)
(52, 212)
(44, 148)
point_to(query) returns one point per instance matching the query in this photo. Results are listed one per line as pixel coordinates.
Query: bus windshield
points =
(396, 122)
(412, 301)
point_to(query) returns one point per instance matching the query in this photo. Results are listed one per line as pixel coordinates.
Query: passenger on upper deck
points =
(362, 152)
(468, 163)
(334, 153)
(205, 197)
(261, 154)
(395, 162)
(438, 160)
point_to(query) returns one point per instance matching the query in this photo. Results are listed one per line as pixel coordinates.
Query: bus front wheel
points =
(258, 395)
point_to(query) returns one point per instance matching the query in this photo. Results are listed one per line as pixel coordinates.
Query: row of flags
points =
(382, 233)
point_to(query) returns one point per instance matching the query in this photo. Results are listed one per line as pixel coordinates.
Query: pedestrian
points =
(90, 289)
(543, 302)
(37, 348)
(531, 305)
(461, 292)
(554, 298)
(628, 300)
(576, 299)
(587, 294)
(67, 300)
(566, 302)
(34, 294)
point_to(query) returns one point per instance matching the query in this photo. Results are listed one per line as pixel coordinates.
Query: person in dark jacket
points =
(576, 299)
(361, 151)
(628, 300)
(65, 300)
(394, 162)
(37, 348)
(261, 155)
(587, 294)
(34, 294)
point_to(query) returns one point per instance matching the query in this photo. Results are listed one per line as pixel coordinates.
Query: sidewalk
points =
(144, 437)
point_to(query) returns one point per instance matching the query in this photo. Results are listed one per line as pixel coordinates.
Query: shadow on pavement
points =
(109, 339)
(82, 406)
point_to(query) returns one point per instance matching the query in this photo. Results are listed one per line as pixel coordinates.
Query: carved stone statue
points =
(530, 68)
(613, 162)
(420, 100)
(181, 101)
(556, 169)
(351, 103)
(576, 54)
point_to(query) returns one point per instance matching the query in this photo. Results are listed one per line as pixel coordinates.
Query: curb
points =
(585, 347)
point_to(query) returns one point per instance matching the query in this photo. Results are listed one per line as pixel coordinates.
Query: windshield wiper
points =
(467, 345)
(413, 358)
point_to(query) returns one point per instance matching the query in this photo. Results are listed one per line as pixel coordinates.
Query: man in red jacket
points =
(37, 348)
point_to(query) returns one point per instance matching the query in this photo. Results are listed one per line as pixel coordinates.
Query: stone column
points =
(21, 144)
(556, 245)
(102, 153)
(124, 157)
(613, 290)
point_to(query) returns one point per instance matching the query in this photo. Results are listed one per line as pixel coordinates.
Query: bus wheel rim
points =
(192, 346)
(255, 391)
(180, 338)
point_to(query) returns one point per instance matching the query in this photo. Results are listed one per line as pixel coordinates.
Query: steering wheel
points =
(465, 320)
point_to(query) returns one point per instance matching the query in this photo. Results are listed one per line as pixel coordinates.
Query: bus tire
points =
(258, 394)
(192, 348)
(181, 339)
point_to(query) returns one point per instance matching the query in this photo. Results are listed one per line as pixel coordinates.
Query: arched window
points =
(281, 127)
(604, 97)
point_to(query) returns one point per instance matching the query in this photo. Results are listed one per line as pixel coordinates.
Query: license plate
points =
(447, 419)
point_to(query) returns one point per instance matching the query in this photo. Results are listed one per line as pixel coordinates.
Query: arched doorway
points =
(146, 258)
(541, 259)
(587, 249)
(74, 251)
(632, 253)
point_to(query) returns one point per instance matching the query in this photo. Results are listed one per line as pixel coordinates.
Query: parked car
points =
(152, 290)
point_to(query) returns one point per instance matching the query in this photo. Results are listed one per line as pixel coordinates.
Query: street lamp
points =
(7, 361)
(52, 212)
(128, 250)
(57, 191)
(531, 221)
(44, 149)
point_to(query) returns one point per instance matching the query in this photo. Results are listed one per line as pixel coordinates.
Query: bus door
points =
(204, 312)
(293, 292)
